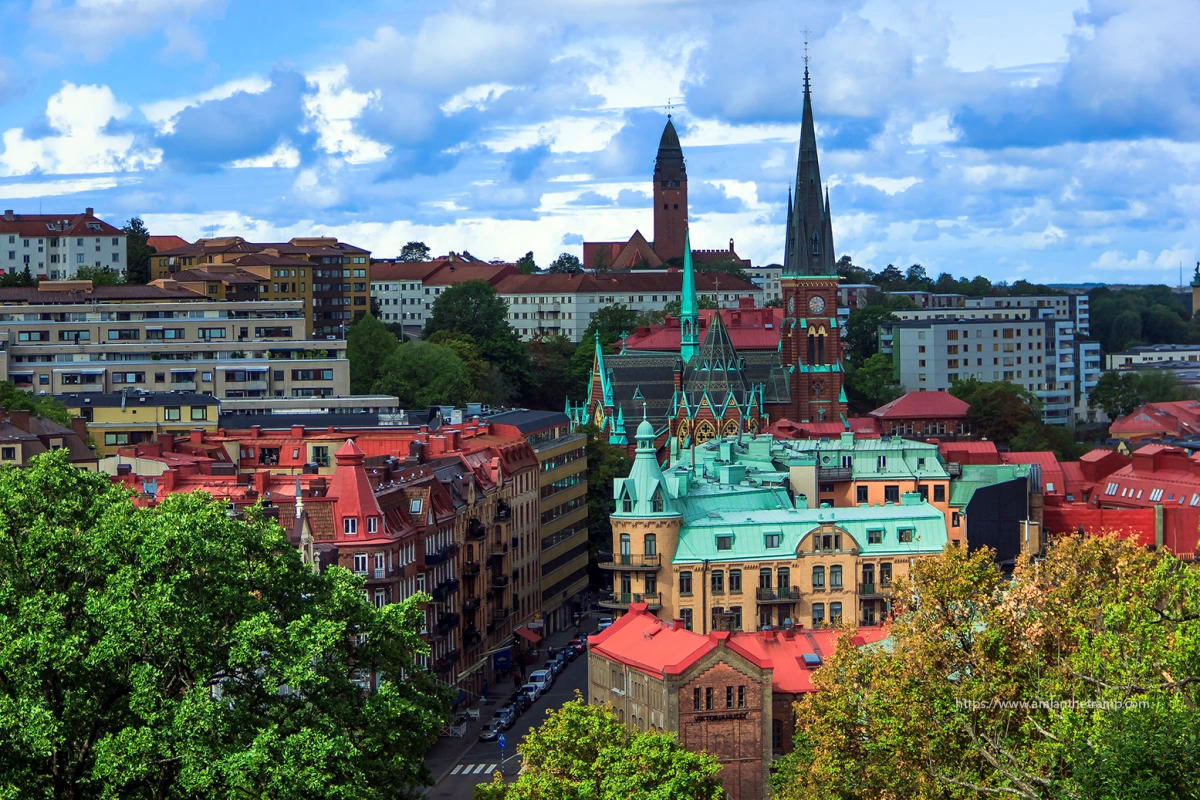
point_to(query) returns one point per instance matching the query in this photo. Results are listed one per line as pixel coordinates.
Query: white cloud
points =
(97, 27)
(27, 189)
(713, 132)
(332, 110)
(315, 187)
(477, 97)
(80, 115)
(1169, 260)
(637, 73)
(887, 185)
(283, 155)
(934, 129)
(162, 113)
(564, 135)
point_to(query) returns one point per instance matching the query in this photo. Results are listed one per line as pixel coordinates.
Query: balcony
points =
(447, 661)
(470, 569)
(476, 530)
(875, 590)
(472, 636)
(499, 581)
(471, 604)
(835, 473)
(954, 470)
(622, 600)
(649, 562)
(503, 511)
(780, 595)
(447, 622)
(498, 549)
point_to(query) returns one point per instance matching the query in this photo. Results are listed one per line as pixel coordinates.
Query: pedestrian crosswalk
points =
(475, 769)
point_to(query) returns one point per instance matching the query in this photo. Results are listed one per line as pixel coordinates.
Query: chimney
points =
(89, 211)
(262, 479)
(79, 425)
(166, 482)
(255, 431)
(451, 441)
(298, 431)
(167, 440)
(497, 475)
(731, 244)
(678, 624)
(437, 445)
(8, 214)
(151, 448)
(196, 436)
(19, 420)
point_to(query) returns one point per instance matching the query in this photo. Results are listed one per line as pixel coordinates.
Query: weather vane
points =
(670, 106)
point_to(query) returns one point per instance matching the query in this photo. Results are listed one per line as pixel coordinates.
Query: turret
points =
(689, 317)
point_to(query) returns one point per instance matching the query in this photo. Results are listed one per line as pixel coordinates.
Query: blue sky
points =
(1053, 140)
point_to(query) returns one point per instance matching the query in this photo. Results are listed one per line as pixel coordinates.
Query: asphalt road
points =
(485, 757)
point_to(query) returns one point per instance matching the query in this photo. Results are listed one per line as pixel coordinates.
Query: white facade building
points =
(56, 246)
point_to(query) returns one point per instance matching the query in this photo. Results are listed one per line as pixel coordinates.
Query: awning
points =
(460, 698)
(527, 634)
(182, 369)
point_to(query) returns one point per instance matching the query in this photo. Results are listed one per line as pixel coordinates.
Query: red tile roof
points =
(786, 653)
(622, 283)
(406, 270)
(56, 225)
(454, 273)
(1179, 418)
(77, 292)
(160, 243)
(1053, 480)
(749, 328)
(923, 405)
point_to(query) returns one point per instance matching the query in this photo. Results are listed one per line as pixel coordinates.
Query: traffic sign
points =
(500, 739)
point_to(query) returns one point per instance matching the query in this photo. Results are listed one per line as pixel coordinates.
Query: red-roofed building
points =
(729, 694)
(920, 414)
(160, 243)
(749, 328)
(1180, 419)
(406, 290)
(54, 246)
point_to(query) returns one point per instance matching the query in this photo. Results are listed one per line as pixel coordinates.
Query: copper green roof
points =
(977, 476)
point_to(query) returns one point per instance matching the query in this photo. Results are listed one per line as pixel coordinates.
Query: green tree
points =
(566, 264)
(414, 251)
(673, 308)
(605, 462)
(611, 322)
(973, 697)
(422, 374)
(99, 276)
(774, 302)
(729, 266)
(917, 279)
(475, 310)
(22, 278)
(1121, 392)
(900, 301)
(862, 331)
(14, 399)
(601, 262)
(582, 752)
(849, 272)
(489, 382)
(1163, 325)
(999, 409)
(178, 652)
(872, 383)
(368, 346)
(526, 265)
(550, 360)
(890, 278)
(137, 252)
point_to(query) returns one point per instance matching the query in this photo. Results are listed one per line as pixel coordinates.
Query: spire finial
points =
(807, 32)
(670, 106)
(643, 410)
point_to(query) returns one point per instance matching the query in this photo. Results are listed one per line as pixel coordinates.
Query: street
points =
(477, 765)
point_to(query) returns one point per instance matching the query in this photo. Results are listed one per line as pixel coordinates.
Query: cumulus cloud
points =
(332, 110)
(97, 28)
(81, 142)
(163, 113)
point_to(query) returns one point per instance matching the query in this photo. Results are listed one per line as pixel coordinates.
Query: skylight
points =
(1155, 495)
(1110, 489)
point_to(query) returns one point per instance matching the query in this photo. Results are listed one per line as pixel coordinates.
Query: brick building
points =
(729, 694)
(923, 414)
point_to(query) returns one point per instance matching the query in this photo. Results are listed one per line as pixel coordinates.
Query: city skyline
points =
(1054, 142)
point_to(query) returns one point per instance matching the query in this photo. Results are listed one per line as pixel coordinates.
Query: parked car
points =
(490, 731)
(570, 652)
(520, 701)
(604, 623)
(565, 657)
(513, 709)
(553, 666)
(505, 717)
(533, 691)
(542, 679)
(578, 644)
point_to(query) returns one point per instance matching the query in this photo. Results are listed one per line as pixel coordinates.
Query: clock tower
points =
(811, 347)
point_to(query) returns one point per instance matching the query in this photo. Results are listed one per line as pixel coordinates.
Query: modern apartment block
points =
(1073, 307)
(406, 291)
(767, 279)
(54, 246)
(129, 418)
(70, 337)
(1037, 354)
(329, 277)
(1151, 354)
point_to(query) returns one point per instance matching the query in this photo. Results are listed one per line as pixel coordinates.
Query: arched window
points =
(820, 348)
(784, 577)
(812, 348)
(626, 503)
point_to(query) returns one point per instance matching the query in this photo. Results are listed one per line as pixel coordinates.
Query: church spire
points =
(809, 249)
(689, 321)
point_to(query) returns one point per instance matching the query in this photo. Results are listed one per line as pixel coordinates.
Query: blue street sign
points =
(500, 739)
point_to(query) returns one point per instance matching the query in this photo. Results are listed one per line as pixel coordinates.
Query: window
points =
(708, 698)
(718, 581)
(818, 615)
(818, 577)
(939, 493)
(8, 453)
(350, 525)
(360, 563)
(881, 463)
(735, 581)
(626, 503)
(777, 734)
(885, 574)
(1111, 489)
(212, 333)
(124, 334)
(695, 699)
(835, 576)
(956, 520)
(891, 494)
(861, 495)
(414, 507)
(729, 697)
(835, 613)
(875, 537)
(772, 540)
(650, 544)
(686, 615)
(685, 583)
(199, 412)
(172, 413)
(312, 374)
(905, 534)
(725, 542)
(1156, 495)
(372, 524)
(741, 703)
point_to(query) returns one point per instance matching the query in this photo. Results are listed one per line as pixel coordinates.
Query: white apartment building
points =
(55, 246)
(1153, 354)
(1037, 354)
(1070, 306)
(406, 291)
(767, 279)
(75, 338)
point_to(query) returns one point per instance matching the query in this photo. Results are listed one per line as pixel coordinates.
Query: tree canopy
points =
(526, 265)
(137, 251)
(583, 752)
(475, 310)
(1121, 392)
(862, 331)
(422, 374)
(178, 652)
(999, 409)
(14, 399)
(99, 276)
(605, 463)
(414, 251)
(368, 346)
(611, 323)
(566, 263)
(1121, 318)
(1079, 678)
(871, 384)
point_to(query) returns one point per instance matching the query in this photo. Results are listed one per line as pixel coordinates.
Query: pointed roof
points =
(637, 252)
(717, 370)
(669, 161)
(645, 480)
(350, 487)
(809, 248)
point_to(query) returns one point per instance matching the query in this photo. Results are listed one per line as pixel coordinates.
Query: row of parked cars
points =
(539, 683)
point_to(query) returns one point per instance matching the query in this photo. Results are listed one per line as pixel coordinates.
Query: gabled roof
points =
(47, 225)
(716, 371)
(923, 405)
(350, 485)
(637, 252)
(160, 243)
(1178, 418)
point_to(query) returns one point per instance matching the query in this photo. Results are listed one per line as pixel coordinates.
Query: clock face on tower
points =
(817, 304)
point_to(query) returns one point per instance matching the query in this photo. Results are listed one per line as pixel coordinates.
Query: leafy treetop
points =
(414, 251)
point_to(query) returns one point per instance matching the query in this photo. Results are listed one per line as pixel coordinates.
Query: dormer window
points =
(372, 524)
(725, 542)
(626, 503)
(656, 501)
(350, 526)
(414, 507)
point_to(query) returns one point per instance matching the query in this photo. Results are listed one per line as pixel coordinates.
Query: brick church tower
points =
(811, 337)
(670, 196)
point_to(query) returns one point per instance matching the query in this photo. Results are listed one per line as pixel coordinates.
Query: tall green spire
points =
(689, 318)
